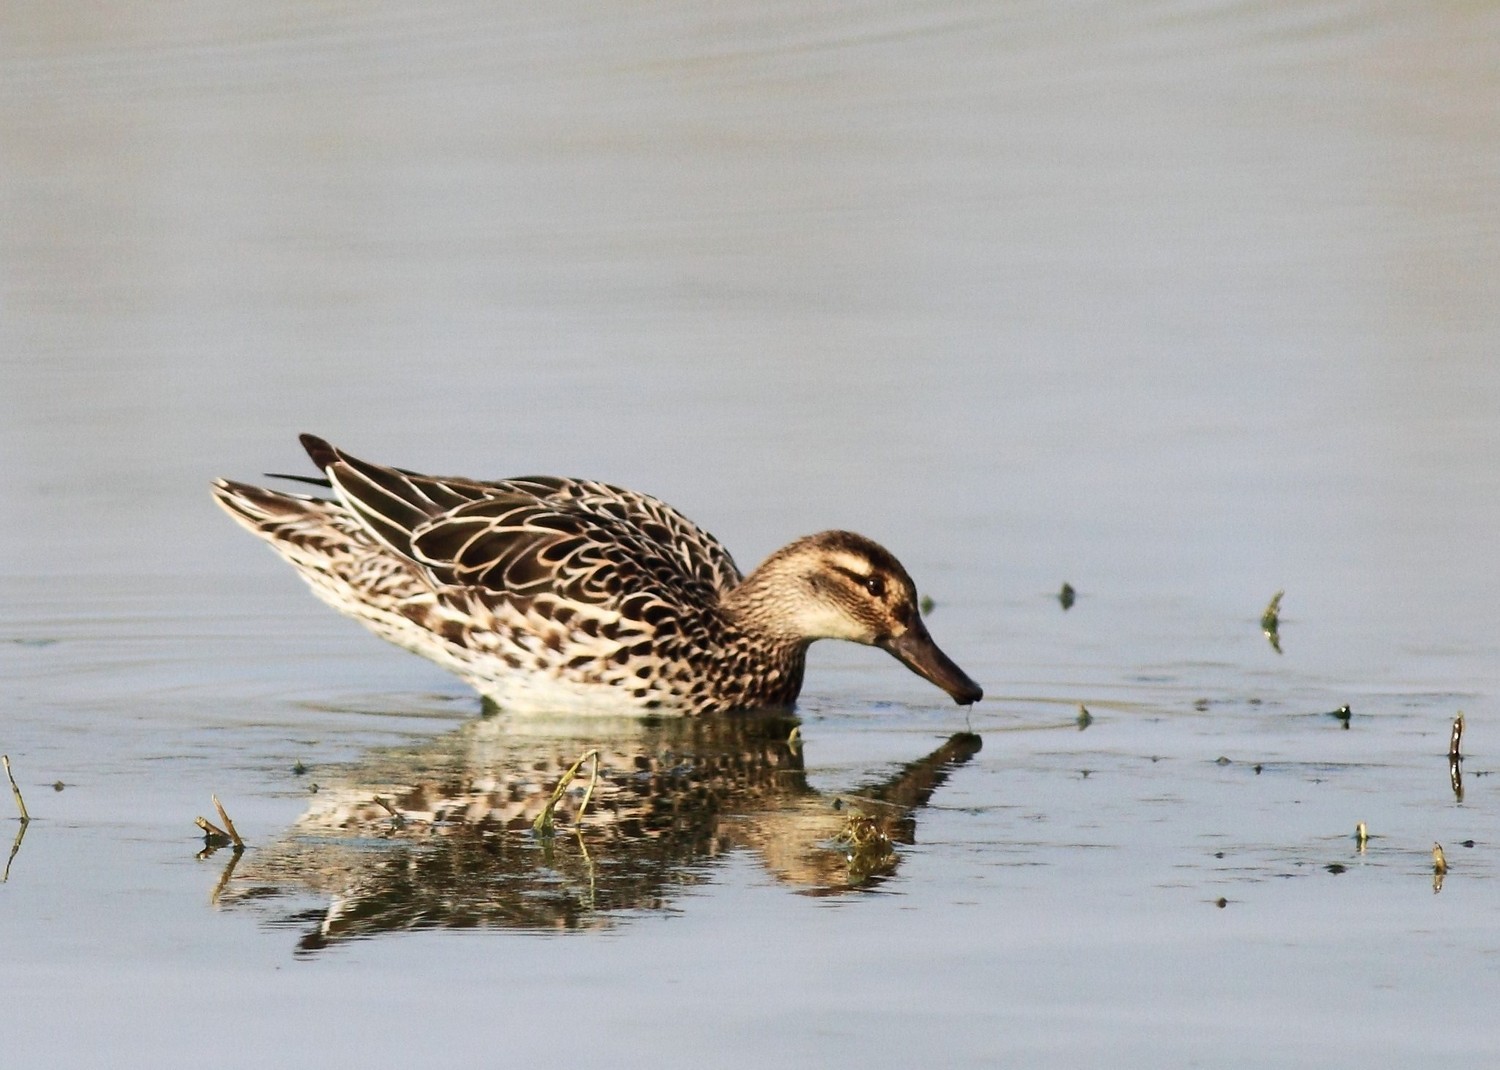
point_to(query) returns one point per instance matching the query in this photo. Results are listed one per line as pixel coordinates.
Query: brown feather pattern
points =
(545, 592)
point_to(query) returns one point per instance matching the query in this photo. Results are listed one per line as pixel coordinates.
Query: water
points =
(1180, 303)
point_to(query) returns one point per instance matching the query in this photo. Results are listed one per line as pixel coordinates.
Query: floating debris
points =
(1067, 596)
(1439, 861)
(58, 785)
(925, 605)
(1456, 778)
(1085, 718)
(862, 832)
(1336, 868)
(1221, 902)
(869, 848)
(1270, 621)
(15, 790)
(215, 837)
(1221, 760)
(298, 769)
(1361, 836)
(1456, 739)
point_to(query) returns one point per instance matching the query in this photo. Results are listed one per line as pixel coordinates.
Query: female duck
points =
(546, 593)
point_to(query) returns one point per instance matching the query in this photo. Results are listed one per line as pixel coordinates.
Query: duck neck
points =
(764, 653)
(762, 605)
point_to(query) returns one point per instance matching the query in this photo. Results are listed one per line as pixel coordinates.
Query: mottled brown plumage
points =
(548, 593)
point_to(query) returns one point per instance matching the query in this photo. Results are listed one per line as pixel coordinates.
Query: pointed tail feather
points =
(255, 506)
(268, 512)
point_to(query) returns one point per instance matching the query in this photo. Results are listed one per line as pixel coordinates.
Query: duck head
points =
(839, 585)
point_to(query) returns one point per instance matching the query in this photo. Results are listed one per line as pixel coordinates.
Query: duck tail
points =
(276, 517)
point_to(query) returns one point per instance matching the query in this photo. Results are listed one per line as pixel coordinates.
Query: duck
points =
(546, 593)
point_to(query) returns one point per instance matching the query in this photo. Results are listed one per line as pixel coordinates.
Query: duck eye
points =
(875, 585)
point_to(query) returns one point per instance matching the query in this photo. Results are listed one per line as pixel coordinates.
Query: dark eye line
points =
(874, 584)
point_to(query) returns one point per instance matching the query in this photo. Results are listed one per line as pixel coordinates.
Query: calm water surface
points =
(1182, 303)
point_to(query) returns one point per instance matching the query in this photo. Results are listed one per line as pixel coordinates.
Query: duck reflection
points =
(441, 836)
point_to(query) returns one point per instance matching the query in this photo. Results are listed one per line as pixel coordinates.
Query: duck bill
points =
(921, 655)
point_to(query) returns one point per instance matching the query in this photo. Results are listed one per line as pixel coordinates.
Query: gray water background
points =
(1183, 303)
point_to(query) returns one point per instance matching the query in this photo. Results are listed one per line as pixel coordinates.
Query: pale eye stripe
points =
(856, 566)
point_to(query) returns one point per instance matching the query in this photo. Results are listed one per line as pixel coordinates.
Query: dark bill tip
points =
(921, 655)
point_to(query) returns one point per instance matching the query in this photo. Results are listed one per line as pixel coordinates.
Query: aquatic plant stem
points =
(14, 848)
(228, 824)
(15, 790)
(543, 825)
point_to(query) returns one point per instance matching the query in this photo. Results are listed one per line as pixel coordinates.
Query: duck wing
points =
(516, 549)
(584, 541)
(690, 549)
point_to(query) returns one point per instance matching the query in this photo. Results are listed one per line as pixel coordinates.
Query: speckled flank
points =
(548, 593)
